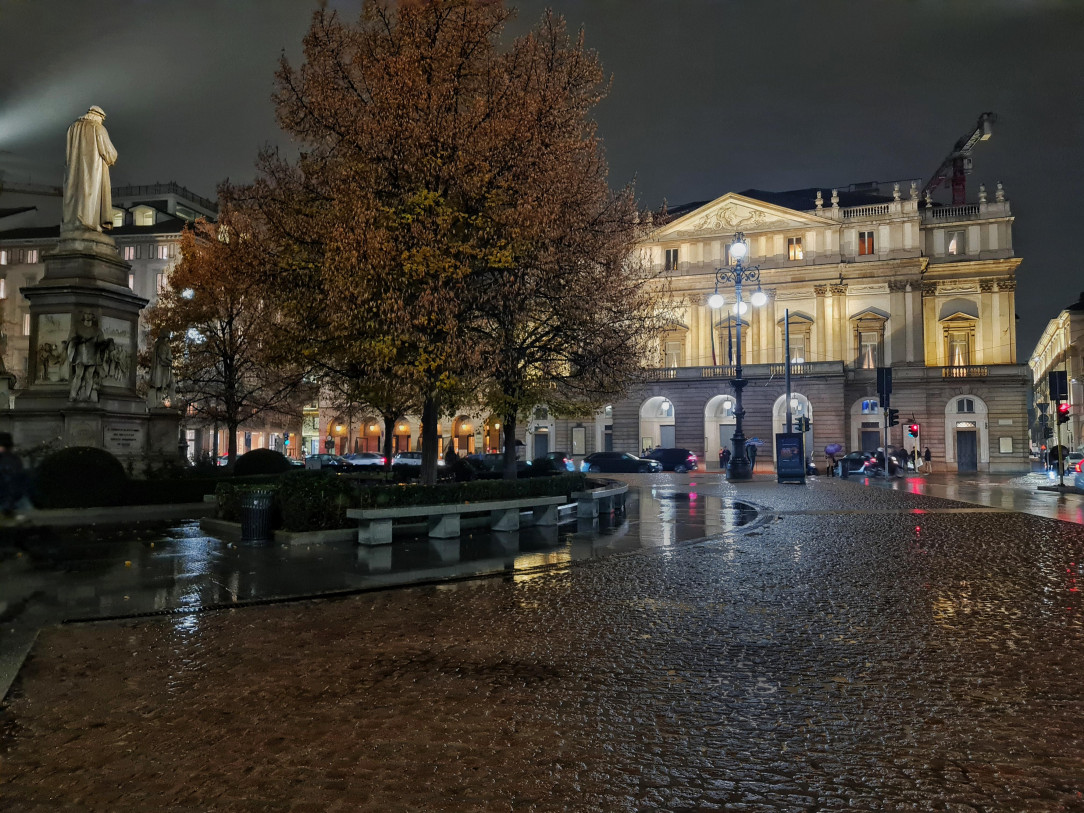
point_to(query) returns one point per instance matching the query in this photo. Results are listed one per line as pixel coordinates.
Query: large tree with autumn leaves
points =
(229, 361)
(448, 225)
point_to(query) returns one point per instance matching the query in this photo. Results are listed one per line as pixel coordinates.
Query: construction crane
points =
(958, 162)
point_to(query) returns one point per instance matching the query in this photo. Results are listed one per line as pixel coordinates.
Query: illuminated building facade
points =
(870, 277)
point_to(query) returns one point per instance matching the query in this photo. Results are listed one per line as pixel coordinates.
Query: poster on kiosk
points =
(790, 457)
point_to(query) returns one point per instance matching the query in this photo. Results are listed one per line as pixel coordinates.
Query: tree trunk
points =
(231, 444)
(510, 472)
(389, 429)
(430, 441)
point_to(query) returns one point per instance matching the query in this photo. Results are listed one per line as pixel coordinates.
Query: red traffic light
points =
(912, 430)
(1063, 412)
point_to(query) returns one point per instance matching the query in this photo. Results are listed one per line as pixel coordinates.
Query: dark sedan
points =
(614, 462)
(678, 460)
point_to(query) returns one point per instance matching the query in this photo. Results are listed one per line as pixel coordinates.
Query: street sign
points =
(1059, 385)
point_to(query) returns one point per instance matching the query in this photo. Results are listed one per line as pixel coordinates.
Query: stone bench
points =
(605, 500)
(375, 524)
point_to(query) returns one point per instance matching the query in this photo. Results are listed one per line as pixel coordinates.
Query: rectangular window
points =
(32, 255)
(673, 354)
(129, 252)
(4, 257)
(869, 346)
(118, 218)
(671, 259)
(794, 248)
(865, 242)
(955, 242)
(131, 281)
(3, 288)
(959, 349)
(163, 252)
(797, 349)
(159, 282)
(26, 324)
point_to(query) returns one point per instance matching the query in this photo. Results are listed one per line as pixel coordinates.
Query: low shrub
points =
(261, 461)
(473, 491)
(79, 477)
(228, 493)
(316, 501)
(166, 491)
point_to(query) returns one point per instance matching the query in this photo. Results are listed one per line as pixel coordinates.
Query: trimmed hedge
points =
(228, 493)
(261, 461)
(316, 500)
(80, 477)
(472, 491)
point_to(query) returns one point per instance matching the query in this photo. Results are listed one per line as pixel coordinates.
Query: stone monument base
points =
(124, 427)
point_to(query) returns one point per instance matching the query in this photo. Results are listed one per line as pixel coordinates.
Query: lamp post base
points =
(740, 469)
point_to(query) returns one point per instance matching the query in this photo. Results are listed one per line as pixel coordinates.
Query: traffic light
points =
(1063, 412)
(803, 424)
(1047, 432)
(285, 438)
(912, 430)
(893, 417)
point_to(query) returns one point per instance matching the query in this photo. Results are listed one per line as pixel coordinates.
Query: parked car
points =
(562, 460)
(366, 459)
(1078, 480)
(328, 462)
(856, 463)
(491, 465)
(678, 460)
(407, 459)
(611, 462)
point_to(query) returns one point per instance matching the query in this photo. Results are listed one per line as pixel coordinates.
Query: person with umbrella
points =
(830, 451)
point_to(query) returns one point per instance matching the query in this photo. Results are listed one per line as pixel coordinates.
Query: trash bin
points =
(256, 515)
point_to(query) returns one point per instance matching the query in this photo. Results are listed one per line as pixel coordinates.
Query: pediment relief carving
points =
(733, 213)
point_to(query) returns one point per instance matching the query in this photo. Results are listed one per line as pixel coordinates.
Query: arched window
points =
(965, 405)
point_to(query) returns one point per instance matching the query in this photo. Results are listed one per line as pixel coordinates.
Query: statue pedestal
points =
(84, 322)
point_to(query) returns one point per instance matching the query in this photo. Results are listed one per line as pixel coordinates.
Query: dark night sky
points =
(709, 96)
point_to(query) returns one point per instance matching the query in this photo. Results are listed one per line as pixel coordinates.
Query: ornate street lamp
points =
(736, 276)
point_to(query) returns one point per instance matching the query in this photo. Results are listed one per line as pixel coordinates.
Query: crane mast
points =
(957, 164)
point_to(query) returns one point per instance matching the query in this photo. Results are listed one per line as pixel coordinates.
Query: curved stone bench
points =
(604, 500)
(375, 524)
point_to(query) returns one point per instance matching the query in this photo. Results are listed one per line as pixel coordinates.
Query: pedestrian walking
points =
(724, 458)
(831, 467)
(928, 460)
(12, 477)
(751, 451)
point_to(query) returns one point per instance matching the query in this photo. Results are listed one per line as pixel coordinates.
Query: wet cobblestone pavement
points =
(856, 649)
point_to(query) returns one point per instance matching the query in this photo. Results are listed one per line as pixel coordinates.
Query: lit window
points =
(794, 248)
(965, 405)
(674, 354)
(26, 324)
(955, 242)
(160, 282)
(163, 252)
(129, 252)
(865, 242)
(131, 281)
(671, 259)
(3, 288)
(118, 218)
(869, 345)
(32, 255)
(145, 217)
(797, 349)
(959, 348)
(871, 406)
(4, 257)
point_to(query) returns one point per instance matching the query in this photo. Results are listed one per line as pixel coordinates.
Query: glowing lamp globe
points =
(715, 300)
(759, 298)
(737, 250)
(741, 308)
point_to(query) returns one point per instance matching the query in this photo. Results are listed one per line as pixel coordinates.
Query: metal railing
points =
(966, 212)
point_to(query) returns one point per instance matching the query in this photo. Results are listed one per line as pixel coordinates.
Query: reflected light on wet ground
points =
(79, 575)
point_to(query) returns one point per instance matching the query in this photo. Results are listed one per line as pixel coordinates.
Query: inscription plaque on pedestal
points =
(123, 440)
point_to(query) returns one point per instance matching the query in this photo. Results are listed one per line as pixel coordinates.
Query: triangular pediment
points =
(733, 213)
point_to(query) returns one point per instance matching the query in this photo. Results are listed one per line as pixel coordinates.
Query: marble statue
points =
(85, 345)
(160, 390)
(88, 200)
